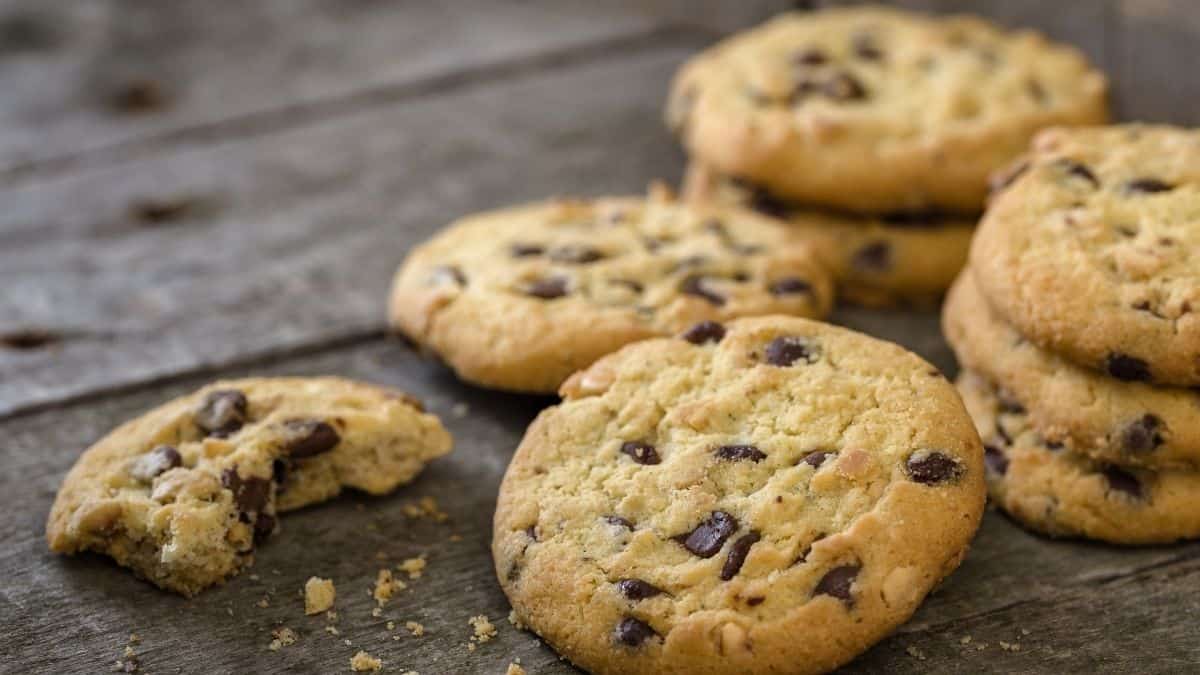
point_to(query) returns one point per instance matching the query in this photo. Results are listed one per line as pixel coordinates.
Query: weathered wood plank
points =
(74, 614)
(79, 77)
(267, 244)
(1154, 60)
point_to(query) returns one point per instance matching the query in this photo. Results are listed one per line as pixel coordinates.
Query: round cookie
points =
(771, 495)
(184, 493)
(520, 298)
(898, 259)
(1085, 411)
(874, 109)
(1091, 248)
(1064, 494)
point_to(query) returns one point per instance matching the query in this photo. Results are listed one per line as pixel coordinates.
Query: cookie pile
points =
(873, 131)
(771, 495)
(1078, 325)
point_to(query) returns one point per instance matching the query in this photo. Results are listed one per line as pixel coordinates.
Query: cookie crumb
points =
(346, 641)
(915, 653)
(456, 537)
(966, 640)
(391, 625)
(134, 638)
(319, 595)
(377, 612)
(386, 585)
(415, 628)
(363, 662)
(484, 630)
(128, 663)
(514, 668)
(414, 566)
(460, 410)
(264, 602)
(425, 507)
(1024, 631)
(332, 630)
(284, 636)
(516, 622)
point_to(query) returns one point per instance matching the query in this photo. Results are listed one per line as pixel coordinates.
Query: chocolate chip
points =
(705, 331)
(526, 250)
(28, 338)
(642, 453)
(874, 257)
(995, 460)
(844, 87)
(694, 285)
(632, 632)
(306, 438)
(1147, 186)
(618, 521)
(264, 526)
(1122, 481)
(755, 601)
(531, 532)
(1078, 170)
(931, 468)
(737, 555)
(448, 273)
(838, 582)
(765, 203)
(576, 255)
(1127, 368)
(1001, 180)
(1142, 435)
(816, 458)
(250, 494)
(810, 57)
(155, 462)
(710, 535)
(636, 589)
(1036, 91)
(787, 349)
(1009, 404)
(735, 453)
(222, 412)
(915, 217)
(789, 285)
(548, 288)
(279, 471)
(627, 283)
(864, 47)
(803, 557)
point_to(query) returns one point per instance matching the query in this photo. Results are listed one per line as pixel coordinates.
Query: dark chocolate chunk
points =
(576, 255)
(628, 283)
(755, 601)
(705, 331)
(787, 349)
(632, 633)
(264, 526)
(931, 468)
(816, 458)
(618, 521)
(306, 438)
(642, 453)
(838, 583)
(222, 412)
(737, 555)
(710, 535)
(864, 47)
(158, 460)
(548, 288)
(736, 453)
(1127, 368)
(1142, 435)
(526, 250)
(636, 589)
(789, 285)
(1078, 170)
(694, 285)
(1036, 91)
(279, 471)
(250, 494)
(1147, 186)
(811, 57)
(1122, 481)
(844, 87)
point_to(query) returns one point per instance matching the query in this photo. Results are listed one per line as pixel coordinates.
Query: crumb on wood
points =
(283, 636)
(332, 630)
(415, 567)
(425, 507)
(456, 537)
(966, 640)
(514, 620)
(363, 662)
(319, 595)
(386, 585)
(484, 630)
(346, 641)
(377, 612)
(514, 668)
(460, 410)
(916, 653)
(415, 628)
(264, 602)
(391, 625)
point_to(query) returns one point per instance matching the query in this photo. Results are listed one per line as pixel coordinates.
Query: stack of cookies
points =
(1078, 327)
(873, 131)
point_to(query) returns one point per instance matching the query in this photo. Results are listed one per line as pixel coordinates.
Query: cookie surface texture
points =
(520, 298)
(184, 493)
(771, 495)
(876, 110)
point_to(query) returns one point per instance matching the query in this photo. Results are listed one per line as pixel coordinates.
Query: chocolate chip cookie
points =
(875, 109)
(183, 494)
(903, 258)
(1080, 409)
(768, 495)
(1064, 494)
(520, 298)
(1091, 248)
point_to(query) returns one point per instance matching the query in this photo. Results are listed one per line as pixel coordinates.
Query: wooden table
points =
(191, 192)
